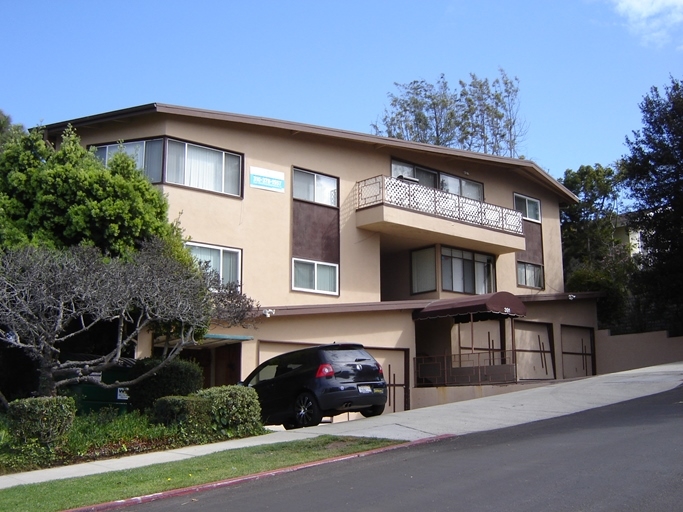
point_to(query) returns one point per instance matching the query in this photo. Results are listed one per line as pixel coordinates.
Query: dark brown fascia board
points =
(546, 297)
(115, 115)
(409, 305)
(528, 167)
(359, 307)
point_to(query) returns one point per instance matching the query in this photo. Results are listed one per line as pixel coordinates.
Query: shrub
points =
(170, 410)
(106, 433)
(191, 414)
(45, 420)
(177, 378)
(235, 411)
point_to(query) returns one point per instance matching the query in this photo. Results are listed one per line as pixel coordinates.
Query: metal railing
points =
(465, 370)
(415, 197)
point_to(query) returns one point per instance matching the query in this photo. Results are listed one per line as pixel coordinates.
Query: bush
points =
(177, 378)
(107, 433)
(235, 411)
(212, 414)
(191, 414)
(45, 420)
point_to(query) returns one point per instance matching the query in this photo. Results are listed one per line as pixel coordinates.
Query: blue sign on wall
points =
(266, 179)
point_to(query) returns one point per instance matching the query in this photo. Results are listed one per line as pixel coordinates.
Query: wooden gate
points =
(577, 352)
(534, 351)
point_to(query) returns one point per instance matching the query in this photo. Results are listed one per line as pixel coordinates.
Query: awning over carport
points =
(478, 307)
(212, 340)
(216, 340)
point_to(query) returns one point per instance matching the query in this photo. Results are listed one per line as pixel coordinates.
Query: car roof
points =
(318, 348)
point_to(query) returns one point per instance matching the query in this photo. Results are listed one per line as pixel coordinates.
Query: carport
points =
(467, 341)
(219, 355)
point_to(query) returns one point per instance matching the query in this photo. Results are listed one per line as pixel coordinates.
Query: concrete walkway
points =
(556, 399)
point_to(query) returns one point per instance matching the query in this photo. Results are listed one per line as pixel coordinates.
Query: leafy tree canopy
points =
(8, 130)
(66, 197)
(588, 227)
(594, 259)
(653, 172)
(481, 116)
(87, 248)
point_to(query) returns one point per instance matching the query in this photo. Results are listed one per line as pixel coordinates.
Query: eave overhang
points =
(525, 167)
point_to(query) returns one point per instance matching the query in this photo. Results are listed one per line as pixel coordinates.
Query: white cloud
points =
(653, 20)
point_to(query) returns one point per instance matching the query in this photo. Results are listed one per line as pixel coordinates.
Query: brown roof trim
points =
(547, 297)
(413, 305)
(357, 307)
(114, 115)
(526, 166)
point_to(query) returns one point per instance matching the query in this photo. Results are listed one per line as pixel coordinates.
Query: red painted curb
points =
(113, 505)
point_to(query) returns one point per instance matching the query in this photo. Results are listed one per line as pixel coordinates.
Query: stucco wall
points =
(629, 351)
(260, 223)
(427, 397)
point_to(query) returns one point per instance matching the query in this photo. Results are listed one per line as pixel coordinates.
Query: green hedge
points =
(235, 410)
(212, 414)
(191, 414)
(177, 378)
(45, 420)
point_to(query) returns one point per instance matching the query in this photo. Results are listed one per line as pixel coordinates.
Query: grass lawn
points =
(79, 492)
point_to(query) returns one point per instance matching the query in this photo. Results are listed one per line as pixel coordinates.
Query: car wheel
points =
(375, 410)
(306, 411)
(290, 426)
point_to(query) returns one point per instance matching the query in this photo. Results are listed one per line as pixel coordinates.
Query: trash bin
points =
(90, 397)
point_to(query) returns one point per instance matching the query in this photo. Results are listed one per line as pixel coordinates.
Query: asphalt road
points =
(624, 457)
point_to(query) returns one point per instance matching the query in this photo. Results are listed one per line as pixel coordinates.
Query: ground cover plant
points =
(232, 412)
(79, 492)
(92, 436)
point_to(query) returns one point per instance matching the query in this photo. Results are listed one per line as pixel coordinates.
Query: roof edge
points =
(295, 127)
(408, 305)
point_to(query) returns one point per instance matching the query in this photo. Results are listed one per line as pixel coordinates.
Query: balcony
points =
(389, 205)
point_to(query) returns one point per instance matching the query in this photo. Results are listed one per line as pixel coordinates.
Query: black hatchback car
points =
(299, 388)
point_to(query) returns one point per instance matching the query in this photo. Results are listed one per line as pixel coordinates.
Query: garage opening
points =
(467, 341)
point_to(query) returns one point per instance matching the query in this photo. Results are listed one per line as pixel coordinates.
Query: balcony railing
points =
(465, 370)
(418, 198)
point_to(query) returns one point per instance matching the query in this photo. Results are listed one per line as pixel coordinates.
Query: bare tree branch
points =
(48, 297)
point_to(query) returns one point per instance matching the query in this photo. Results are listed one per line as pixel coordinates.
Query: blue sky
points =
(583, 65)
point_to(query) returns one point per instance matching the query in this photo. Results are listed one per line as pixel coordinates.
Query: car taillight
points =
(381, 372)
(325, 370)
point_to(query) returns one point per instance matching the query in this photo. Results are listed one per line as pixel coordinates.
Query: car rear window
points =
(347, 356)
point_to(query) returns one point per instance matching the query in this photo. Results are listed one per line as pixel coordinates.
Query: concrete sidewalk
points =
(556, 399)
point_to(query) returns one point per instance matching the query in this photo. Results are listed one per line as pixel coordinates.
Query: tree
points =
(423, 112)
(588, 227)
(594, 259)
(8, 130)
(65, 200)
(653, 171)
(66, 197)
(50, 296)
(482, 116)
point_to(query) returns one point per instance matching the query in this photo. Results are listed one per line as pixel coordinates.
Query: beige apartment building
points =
(445, 264)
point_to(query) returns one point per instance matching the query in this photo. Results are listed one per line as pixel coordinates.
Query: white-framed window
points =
(530, 208)
(425, 177)
(441, 180)
(467, 271)
(227, 262)
(314, 187)
(148, 155)
(315, 276)
(529, 274)
(423, 270)
(202, 167)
